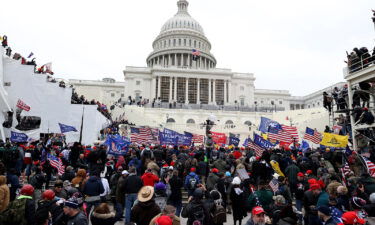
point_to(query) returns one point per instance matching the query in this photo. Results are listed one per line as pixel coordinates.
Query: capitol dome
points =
(177, 39)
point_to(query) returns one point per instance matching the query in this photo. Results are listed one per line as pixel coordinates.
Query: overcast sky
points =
(296, 45)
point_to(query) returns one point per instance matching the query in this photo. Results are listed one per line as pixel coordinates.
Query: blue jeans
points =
(299, 205)
(130, 199)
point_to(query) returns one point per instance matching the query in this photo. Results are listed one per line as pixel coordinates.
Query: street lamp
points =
(273, 104)
(256, 104)
(210, 122)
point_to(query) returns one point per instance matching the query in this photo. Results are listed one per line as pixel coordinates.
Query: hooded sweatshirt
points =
(149, 179)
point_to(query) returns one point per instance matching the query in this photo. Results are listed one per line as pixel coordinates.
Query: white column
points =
(163, 61)
(188, 61)
(209, 91)
(187, 91)
(229, 91)
(225, 92)
(175, 88)
(170, 89)
(198, 91)
(214, 92)
(200, 62)
(169, 60)
(159, 89)
(153, 88)
(175, 60)
(182, 60)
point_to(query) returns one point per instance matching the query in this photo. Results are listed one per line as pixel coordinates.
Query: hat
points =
(309, 172)
(227, 174)
(66, 183)
(315, 186)
(372, 198)
(312, 181)
(214, 170)
(358, 202)
(163, 220)
(192, 169)
(236, 181)
(170, 168)
(300, 174)
(125, 172)
(145, 194)
(279, 199)
(351, 218)
(71, 203)
(160, 186)
(257, 210)
(325, 210)
(198, 193)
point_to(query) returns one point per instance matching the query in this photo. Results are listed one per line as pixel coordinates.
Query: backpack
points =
(192, 183)
(219, 216)
(197, 214)
(15, 213)
(33, 181)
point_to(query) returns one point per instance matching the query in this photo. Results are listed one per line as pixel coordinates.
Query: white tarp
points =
(49, 102)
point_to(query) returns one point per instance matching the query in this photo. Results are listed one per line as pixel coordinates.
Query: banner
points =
(334, 140)
(234, 141)
(262, 143)
(117, 145)
(18, 137)
(171, 137)
(65, 128)
(265, 123)
(219, 138)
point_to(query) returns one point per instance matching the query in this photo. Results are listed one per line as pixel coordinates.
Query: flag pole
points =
(81, 131)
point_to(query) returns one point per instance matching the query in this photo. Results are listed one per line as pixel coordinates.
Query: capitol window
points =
(242, 88)
(179, 42)
(280, 102)
(138, 82)
(190, 42)
(174, 42)
(112, 95)
(184, 42)
(195, 44)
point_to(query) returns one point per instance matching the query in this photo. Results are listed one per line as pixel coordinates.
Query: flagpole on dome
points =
(81, 131)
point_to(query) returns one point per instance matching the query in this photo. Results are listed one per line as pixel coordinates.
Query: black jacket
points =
(176, 184)
(143, 212)
(132, 184)
(93, 187)
(104, 219)
(188, 211)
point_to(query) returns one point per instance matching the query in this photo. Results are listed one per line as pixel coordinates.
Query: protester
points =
(75, 215)
(102, 215)
(146, 208)
(4, 193)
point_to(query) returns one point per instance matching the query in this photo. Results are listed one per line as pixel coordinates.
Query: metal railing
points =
(363, 62)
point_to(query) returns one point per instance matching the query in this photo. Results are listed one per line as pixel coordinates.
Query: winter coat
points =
(220, 165)
(69, 175)
(93, 187)
(79, 219)
(176, 184)
(79, 180)
(212, 180)
(143, 212)
(132, 184)
(149, 179)
(188, 211)
(264, 197)
(120, 192)
(238, 204)
(4, 194)
(291, 172)
(104, 219)
(191, 175)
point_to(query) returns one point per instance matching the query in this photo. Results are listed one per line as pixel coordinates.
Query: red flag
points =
(22, 105)
(219, 138)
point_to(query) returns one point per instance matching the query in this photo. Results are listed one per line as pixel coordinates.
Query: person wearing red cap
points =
(212, 179)
(351, 218)
(149, 178)
(258, 216)
(191, 181)
(301, 188)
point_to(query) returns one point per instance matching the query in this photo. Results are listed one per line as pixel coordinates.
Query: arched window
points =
(195, 44)
(229, 122)
(248, 123)
(184, 42)
(190, 121)
(170, 120)
(189, 42)
(174, 42)
(179, 42)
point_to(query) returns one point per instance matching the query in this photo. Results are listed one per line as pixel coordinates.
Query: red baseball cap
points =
(315, 186)
(192, 169)
(300, 174)
(214, 170)
(257, 210)
(351, 217)
(164, 220)
(309, 172)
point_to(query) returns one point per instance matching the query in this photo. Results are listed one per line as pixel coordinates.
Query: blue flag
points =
(171, 137)
(266, 123)
(304, 146)
(262, 142)
(18, 137)
(65, 128)
(117, 145)
(234, 141)
(246, 142)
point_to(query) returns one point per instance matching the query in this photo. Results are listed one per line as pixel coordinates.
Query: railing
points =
(233, 108)
(359, 64)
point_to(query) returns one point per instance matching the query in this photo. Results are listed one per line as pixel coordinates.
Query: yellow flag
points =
(334, 140)
(264, 136)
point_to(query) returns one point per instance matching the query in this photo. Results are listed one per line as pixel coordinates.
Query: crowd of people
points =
(147, 185)
(102, 108)
(359, 59)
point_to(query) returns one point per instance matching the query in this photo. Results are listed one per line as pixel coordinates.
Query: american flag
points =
(155, 134)
(198, 139)
(56, 163)
(280, 135)
(292, 131)
(141, 135)
(195, 54)
(258, 150)
(22, 105)
(274, 184)
(370, 166)
(313, 136)
(345, 171)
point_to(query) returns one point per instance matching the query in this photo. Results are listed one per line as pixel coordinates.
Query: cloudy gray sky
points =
(297, 45)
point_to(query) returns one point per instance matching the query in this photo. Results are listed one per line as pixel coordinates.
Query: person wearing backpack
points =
(195, 210)
(48, 205)
(215, 206)
(21, 211)
(37, 181)
(191, 181)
